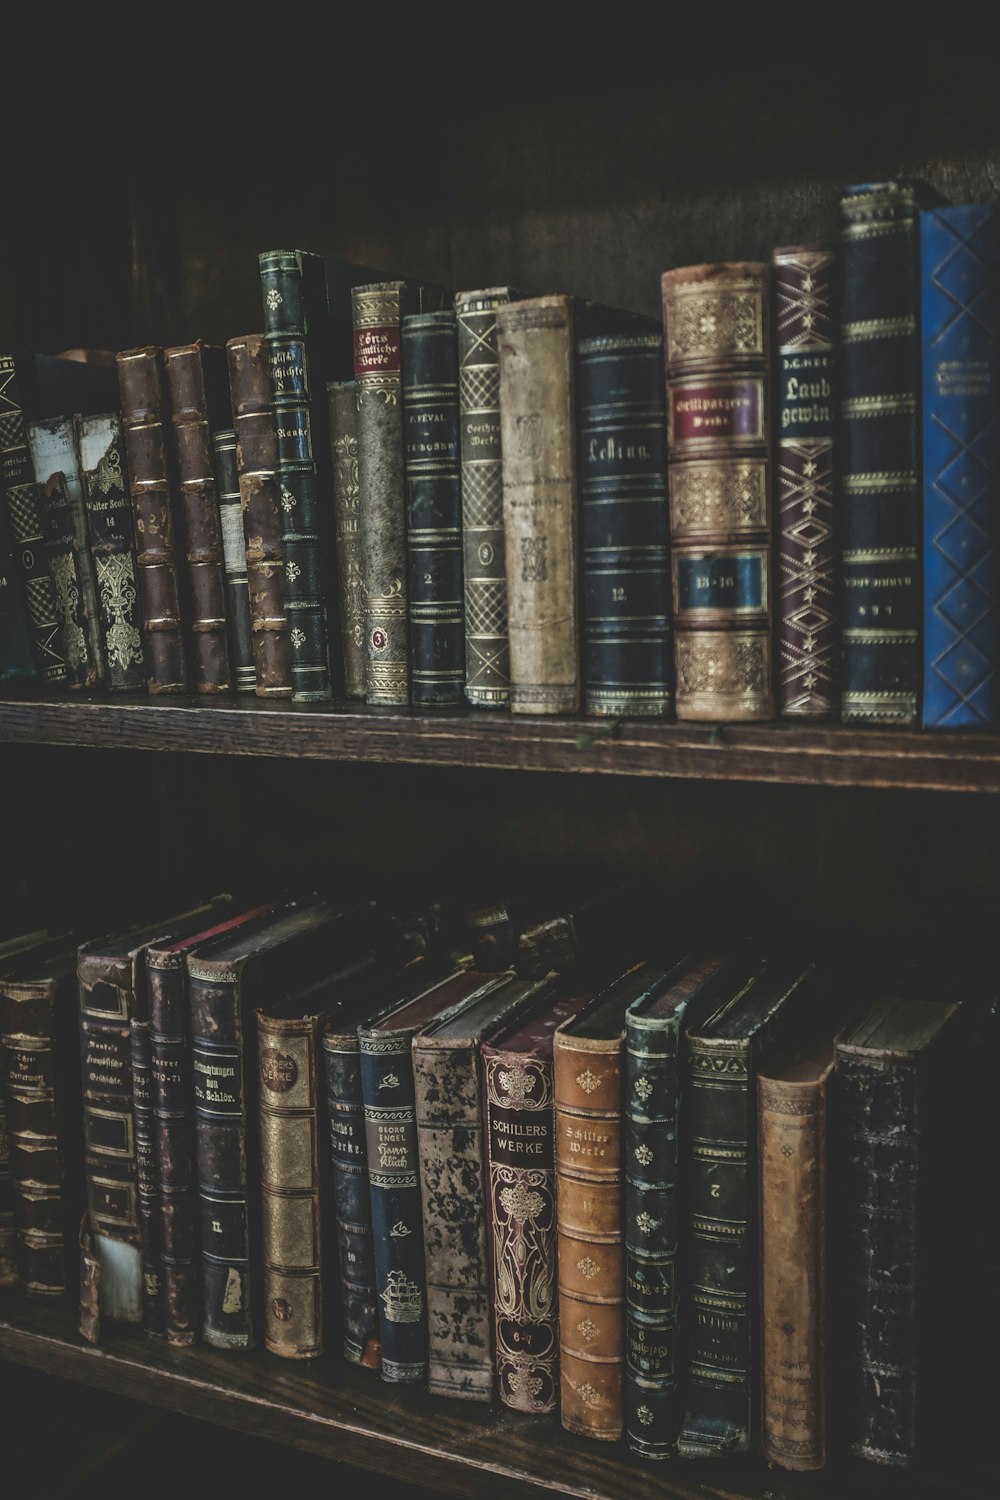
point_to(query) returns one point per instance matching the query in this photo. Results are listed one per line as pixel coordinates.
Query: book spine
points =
(537, 420)
(718, 432)
(382, 501)
(153, 1319)
(288, 339)
(397, 1220)
(17, 662)
(723, 1264)
(808, 624)
(960, 319)
(107, 495)
(343, 397)
(260, 499)
(24, 516)
(141, 384)
(622, 454)
(8, 1230)
(433, 508)
(35, 1167)
(198, 507)
(879, 453)
(56, 463)
(352, 1204)
(234, 560)
(177, 1189)
(589, 1219)
(290, 1186)
(487, 650)
(792, 1121)
(522, 1189)
(224, 1155)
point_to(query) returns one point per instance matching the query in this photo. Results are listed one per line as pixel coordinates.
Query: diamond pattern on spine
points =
(11, 429)
(479, 388)
(807, 652)
(23, 512)
(482, 494)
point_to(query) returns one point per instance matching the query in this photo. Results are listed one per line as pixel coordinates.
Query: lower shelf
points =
(452, 1447)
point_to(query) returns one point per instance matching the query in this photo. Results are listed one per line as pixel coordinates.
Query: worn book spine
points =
(588, 1121)
(487, 651)
(960, 320)
(260, 499)
(140, 379)
(792, 1123)
(879, 458)
(108, 499)
(805, 417)
(293, 284)
(191, 371)
(537, 421)
(343, 396)
(716, 321)
(292, 1229)
(628, 655)
(153, 1316)
(352, 1203)
(56, 462)
(8, 1229)
(234, 560)
(433, 508)
(17, 662)
(24, 516)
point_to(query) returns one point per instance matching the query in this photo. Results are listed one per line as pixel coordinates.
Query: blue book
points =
(960, 305)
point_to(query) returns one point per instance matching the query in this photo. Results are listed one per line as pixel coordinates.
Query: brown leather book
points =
(8, 1234)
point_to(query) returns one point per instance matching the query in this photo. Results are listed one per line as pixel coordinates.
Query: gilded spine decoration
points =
(347, 504)
(112, 545)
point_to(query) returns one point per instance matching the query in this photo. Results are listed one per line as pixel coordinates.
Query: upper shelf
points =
(794, 754)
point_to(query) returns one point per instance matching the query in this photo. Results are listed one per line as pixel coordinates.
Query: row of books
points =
(547, 1188)
(496, 474)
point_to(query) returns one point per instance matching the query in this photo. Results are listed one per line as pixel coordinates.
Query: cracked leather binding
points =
(234, 559)
(150, 1234)
(960, 317)
(805, 420)
(487, 652)
(343, 397)
(716, 321)
(108, 500)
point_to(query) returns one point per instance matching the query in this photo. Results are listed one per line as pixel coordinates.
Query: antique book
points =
(432, 462)
(154, 503)
(628, 664)
(234, 560)
(588, 934)
(17, 661)
(879, 452)
(107, 497)
(537, 423)
(654, 1048)
(343, 397)
(55, 460)
(805, 417)
(146, 1177)
(521, 1202)
(487, 653)
(199, 404)
(388, 1091)
(260, 499)
(587, 1059)
(9, 952)
(725, 1052)
(960, 323)
(717, 329)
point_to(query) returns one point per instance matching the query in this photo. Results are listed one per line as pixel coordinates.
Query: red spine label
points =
(376, 351)
(705, 411)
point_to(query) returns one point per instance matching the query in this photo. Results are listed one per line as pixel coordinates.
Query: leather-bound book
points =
(960, 320)
(387, 1086)
(343, 397)
(108, 500)
(521, 1203)
(234, 560)
(492, 933)
(716, 322)
(199, 402)
(9, 951)
(628, 664)
(56, 462)
(805, 417)
(654, 1026)
(433, 508)
(173, 1124)
(487, 653)
(747, 1032)
(586, 935)
(146, 1178)
(17, 662)
(260, 498)
(143, 401)
(587, 1060)
(537, 424)
(879, 458)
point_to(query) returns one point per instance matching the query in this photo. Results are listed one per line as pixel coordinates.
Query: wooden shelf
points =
(792, 754)
(453, 1447)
